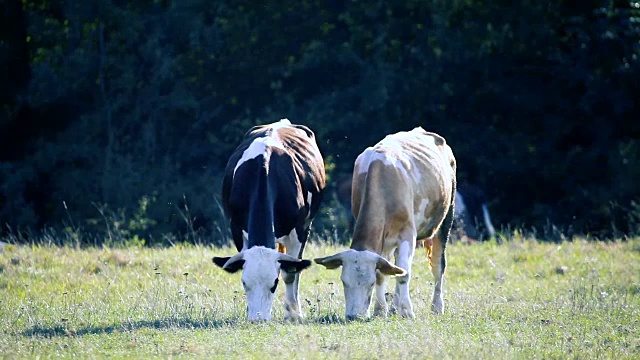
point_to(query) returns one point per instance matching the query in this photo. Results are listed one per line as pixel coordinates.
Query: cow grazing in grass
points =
(403, 190)
(272, 188)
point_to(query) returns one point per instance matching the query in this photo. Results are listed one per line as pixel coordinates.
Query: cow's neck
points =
(368, 237)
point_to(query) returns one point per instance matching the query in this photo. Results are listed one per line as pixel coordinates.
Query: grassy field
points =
(521, 299)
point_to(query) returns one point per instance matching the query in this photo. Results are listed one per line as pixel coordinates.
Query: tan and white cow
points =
(403, 190)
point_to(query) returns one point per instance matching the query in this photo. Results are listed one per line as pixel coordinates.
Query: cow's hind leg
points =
(440, 262)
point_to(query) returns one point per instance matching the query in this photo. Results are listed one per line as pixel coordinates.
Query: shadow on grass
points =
(60, 330)
(189, 324)
(328, 319)
(334, 319)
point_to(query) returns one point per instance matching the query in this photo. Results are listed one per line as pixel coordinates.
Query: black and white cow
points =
(272, 188)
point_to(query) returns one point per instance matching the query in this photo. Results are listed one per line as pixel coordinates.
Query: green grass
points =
(522, 299)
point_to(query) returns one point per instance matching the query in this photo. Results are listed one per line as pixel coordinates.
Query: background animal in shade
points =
(342, 190)
(272, 188)
(472, 219)
(403, 190)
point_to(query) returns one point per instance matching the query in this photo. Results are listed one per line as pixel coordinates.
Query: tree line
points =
(118, 116)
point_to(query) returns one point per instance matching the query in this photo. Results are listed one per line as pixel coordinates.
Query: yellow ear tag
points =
(281, 249)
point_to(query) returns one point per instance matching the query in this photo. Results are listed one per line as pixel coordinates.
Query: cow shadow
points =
(190, 324)
(172, 323)
(335, 319)
(328, 319)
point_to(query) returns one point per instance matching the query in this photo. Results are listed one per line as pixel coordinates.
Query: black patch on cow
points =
(275, 285)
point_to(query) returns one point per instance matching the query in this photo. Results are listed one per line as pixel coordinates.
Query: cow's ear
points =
(387, 268)
(330, 262)
(232, 264)
(293, 267)
(220, 261)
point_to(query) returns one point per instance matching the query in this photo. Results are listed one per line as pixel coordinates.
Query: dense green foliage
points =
(124, 112)
(520, 300)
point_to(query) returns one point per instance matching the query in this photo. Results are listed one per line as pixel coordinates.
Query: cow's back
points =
(299, 150)
(276, 173)
(408, 177)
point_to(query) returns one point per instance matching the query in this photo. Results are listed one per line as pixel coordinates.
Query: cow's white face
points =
(260, 280)
(260, 276)
(359, 277)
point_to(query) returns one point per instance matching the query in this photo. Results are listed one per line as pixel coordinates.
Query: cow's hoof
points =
(437, 308)
(292, 313)
(403, 308)
(293, 318)
(407, 313)
(382, 313)
(380, 310)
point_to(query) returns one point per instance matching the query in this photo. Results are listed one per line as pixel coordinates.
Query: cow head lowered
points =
(402, 191)
(359, 269)
(271, 190)
(260, 275)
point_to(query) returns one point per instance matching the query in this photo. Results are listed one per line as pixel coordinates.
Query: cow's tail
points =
(445, 229)
(441, 239)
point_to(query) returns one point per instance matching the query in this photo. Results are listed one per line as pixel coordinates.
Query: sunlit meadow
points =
(519, 299)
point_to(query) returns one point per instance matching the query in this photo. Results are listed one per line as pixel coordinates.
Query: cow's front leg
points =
(380, 307)
(292, 311)
(404, 258)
